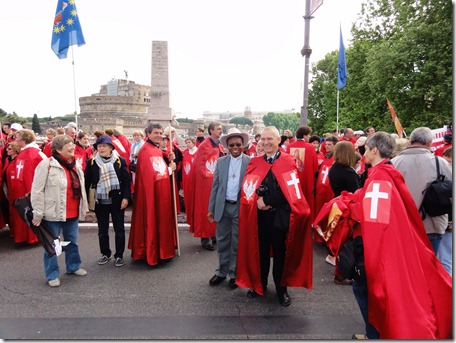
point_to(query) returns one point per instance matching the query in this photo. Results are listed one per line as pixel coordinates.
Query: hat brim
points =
(95, 146)
(245, 138)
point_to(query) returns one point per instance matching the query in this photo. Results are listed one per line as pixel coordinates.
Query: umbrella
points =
(47, 238)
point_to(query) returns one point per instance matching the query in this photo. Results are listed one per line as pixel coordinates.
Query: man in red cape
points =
(204, 163)
(408, 291)
(306, 162)
(297, 241)
(153, 225)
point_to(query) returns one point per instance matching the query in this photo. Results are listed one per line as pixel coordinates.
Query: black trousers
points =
(269, 236)
(118, 221)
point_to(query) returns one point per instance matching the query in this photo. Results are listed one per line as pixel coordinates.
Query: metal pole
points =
(337, 115)
(306, 51)
(74, 92)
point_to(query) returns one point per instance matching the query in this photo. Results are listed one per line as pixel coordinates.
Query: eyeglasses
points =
(235, 144)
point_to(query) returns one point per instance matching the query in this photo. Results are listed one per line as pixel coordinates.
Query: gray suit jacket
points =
(218, 191)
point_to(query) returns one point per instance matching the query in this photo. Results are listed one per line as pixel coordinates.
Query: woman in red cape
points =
(409, 291)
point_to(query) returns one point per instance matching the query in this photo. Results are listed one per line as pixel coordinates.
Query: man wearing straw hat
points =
(224, 204)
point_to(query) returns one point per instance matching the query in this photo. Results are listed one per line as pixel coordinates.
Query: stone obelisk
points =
(159, 110)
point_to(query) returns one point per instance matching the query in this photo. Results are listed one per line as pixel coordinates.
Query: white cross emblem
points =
(375, 195)
(294, 182)
(325, 173)
(19, 167)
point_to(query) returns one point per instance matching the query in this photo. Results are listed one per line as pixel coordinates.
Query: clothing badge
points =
(187, 168)
(211, 163)
(249, 186)
(299, 154)
(324, 175)
(292, 182)
(19, 170)
(159, 166)
(377, 202)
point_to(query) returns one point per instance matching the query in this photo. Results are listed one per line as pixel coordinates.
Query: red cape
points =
(323, 190)
(307, 165)
(410, 293)
(19, 176)
(121, 150)
(80, 154)
(298, 260)
(204, 163)
(153, 226)
(187, 168)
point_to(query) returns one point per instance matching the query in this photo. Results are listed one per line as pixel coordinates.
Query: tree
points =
(241, 121)
(282, 121)
(401, 50)
(36, 124)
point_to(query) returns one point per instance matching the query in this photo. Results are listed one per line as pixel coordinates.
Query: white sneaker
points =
(80, 272)
(331, 260)
(54, 283)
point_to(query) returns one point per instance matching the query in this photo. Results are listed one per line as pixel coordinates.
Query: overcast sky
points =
(223, 55)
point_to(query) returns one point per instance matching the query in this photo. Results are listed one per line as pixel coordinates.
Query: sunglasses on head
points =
(234, 144)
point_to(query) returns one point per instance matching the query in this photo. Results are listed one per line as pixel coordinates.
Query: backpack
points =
(438, 197)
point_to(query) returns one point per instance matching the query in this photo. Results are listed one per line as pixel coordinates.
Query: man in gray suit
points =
(224, 204)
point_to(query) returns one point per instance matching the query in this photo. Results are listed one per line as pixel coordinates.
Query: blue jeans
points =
(72, 259)
(445, 254)
(435, 239)
(360, 292)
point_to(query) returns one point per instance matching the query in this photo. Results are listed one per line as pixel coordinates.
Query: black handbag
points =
(438, 197)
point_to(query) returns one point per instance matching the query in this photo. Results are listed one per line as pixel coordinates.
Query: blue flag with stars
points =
(341, 65)
(67, 28)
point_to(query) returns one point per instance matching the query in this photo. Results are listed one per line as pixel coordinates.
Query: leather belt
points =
(232, 202)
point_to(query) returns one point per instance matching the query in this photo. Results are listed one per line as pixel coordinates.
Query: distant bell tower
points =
(159, 110)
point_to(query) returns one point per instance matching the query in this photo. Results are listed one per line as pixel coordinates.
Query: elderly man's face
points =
(270, 142)
(71, 132)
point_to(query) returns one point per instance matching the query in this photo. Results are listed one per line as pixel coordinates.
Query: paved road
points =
(170, 301)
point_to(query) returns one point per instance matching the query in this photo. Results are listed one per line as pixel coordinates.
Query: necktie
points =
(270, 159)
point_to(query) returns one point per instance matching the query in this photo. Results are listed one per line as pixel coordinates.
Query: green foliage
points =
(184, 120)
(241, 121)
(401, 50)
(11, 118)
(36, 124)
(282, 121)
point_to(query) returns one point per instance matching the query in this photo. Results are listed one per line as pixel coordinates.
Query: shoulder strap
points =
(437, 166)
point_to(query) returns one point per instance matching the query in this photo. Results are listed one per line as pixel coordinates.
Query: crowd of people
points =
(253, 200)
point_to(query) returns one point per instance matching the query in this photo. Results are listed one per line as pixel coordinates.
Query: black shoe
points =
(252, 294)
(209, 246)
(284, 299)
(232, 284)
(215, 280)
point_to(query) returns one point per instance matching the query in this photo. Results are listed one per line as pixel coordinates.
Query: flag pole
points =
(337, 115)
(173, 188)
(74, 91)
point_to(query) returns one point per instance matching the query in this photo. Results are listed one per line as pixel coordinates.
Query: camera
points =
(262, 190)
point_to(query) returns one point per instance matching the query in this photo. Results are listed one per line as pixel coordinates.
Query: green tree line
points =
(401, 50)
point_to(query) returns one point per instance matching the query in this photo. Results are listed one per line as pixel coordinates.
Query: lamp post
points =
(305, 52)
